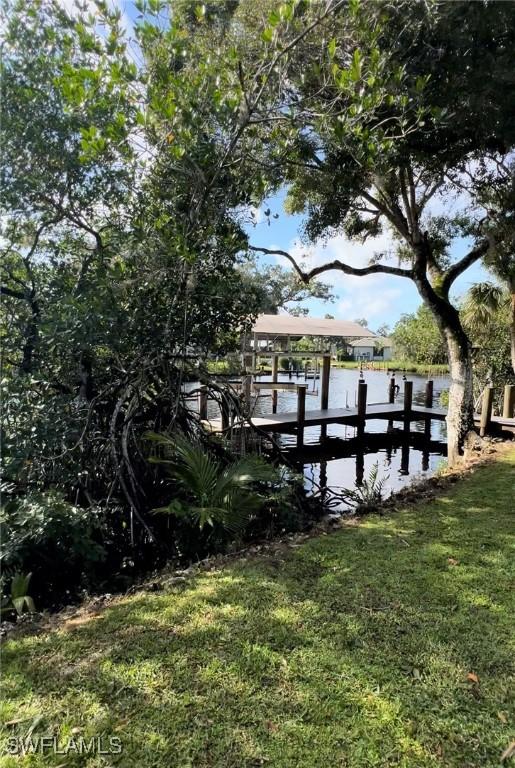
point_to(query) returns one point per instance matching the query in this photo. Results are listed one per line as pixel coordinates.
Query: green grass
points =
(352, 649)
(396, 365)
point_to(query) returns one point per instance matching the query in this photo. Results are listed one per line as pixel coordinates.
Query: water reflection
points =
(344, 464)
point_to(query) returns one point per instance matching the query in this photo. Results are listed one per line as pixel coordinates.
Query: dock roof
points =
(289, 325)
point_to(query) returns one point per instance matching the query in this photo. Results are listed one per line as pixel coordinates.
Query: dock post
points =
(324, 396)
(429, 394)
(301, 413)
(224, 412)
(275, 368)
(486, 410)
(509, 401)
(408, 401)
(425, 456)
(202, 403)
(326, 373)
(362, 406)
(391, 390)
(247, 385)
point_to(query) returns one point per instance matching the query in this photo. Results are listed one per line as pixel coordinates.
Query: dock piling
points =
(202, 403)
(391, 390)
(326, 373)
(224, 412)
(486, 410)
(362, 406)
(509, 401)
(408, 402)
(301, 413)
(247, 385)
(429, 394)
(275, 369)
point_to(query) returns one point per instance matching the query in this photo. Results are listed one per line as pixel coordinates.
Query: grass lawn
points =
(388, 643)
(396, 365)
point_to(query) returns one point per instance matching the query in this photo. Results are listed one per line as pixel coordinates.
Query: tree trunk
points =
(31, 334)
(512, 323)
(460, 416)
(85, 378)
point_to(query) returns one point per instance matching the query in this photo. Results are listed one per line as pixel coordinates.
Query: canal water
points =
(400, 464)
(399, 461)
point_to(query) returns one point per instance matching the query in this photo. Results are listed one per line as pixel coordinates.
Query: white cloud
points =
(370, 298)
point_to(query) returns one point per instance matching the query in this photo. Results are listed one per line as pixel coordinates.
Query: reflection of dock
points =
(339, 447)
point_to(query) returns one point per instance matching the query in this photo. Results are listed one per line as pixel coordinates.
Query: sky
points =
(380, 299)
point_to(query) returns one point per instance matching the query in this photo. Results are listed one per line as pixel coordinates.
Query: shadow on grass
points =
(386, 644)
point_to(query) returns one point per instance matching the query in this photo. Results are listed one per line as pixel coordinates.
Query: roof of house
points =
(371, 341)
(289, 325)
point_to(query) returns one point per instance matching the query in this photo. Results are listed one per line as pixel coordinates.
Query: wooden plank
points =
(288, 421)
(276, 422)
(280, 385)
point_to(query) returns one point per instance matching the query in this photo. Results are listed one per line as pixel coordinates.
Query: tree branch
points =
(394, 217)
(456, 270)
(5, 291)
(372, 269)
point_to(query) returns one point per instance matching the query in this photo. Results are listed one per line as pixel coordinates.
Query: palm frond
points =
(481, 303)
(227, 496)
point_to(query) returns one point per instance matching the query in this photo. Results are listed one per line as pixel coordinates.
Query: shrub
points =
(57, 541)
(212, 493)
(368, 496)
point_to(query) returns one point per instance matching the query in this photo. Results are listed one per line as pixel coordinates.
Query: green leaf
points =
(355, 68)
(274, 19)
(200, 12)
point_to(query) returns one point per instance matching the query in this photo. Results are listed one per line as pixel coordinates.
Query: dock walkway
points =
(283, 422)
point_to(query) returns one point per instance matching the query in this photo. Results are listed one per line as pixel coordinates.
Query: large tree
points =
(416, 337)
(385, 112)
(117, 264)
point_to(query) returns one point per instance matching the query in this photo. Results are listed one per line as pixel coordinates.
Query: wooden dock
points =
(297, 421)
(285, 422)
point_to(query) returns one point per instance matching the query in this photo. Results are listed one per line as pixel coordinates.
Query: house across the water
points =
(371, 348)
